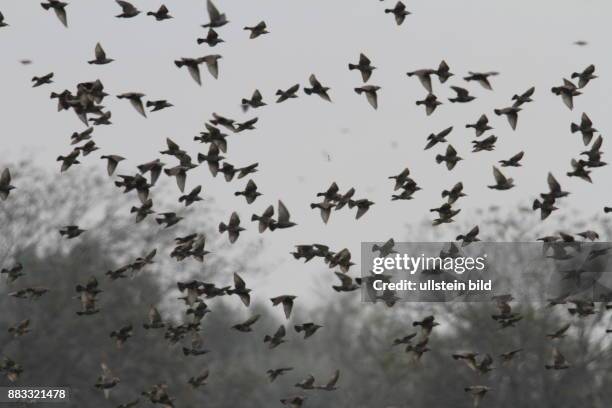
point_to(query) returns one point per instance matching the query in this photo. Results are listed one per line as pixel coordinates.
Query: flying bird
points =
(100, 56)
(59, 7)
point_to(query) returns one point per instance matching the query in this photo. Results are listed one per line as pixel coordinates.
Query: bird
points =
(308, 328)
(317, 88)
(370, 93)
(567, 91)
(256, 101)
(168, 218)
(559, 333)
(127, 9)
(20, 329)
(463, 95)
(424, 76)
(482, 78)
(287, 302)
(427, 324)
(307, 384)
(331, 384)
(511, 113)
(42, 80)
(481, 126)
(245, 326)
(290, 93)
(513, 161)
(487, 144)
(233, 227)
(158, 105)
(257, 30)
(274, 373)
(585, 127)
(450, 158)
(283, 218)
(399, 11)
(217, 19)
(455, 193)
(122, 335)
(434, 139)
(240, 290)
(477, 392)
(501, 182)
(295, 402)
(325, 208)
(585, 76)
(470, 237)
(112, 161)
(579, 170)
(193, 66)
(525, 97)
(509, 356)
(212, 38)
(161, 14)
(69, 160)
(5, 184)
(59, 7)
(363, 205)
(276, 339)
(100, 56)
(430, 102)
(13, 273)
(154, 167)
(155, 320)
(136, 101)
(250, 192)
(558, 361)
(200, 379)
(71, 231)
(2, 22)
(192, 197)
(364, 66)
(346, 283)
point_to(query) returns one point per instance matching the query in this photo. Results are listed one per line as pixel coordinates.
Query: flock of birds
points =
(86, 102)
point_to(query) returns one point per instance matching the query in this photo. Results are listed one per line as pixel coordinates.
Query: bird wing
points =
(332, 382)
(500, 179)
(5, 179)
(194, 71)
(553, 184)
(283, 213)
(212, 65)
(314, 81)
(239, 282)
(234, 220)
(213, 12)
(363, 60)
(372, 99)
(586, 121)
(100, 54)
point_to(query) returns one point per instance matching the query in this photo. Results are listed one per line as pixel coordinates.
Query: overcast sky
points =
(529, 42)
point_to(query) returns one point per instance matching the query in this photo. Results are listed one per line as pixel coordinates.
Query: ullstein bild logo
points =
(442, 272)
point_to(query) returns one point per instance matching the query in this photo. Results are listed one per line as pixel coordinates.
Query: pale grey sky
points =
(528, 42)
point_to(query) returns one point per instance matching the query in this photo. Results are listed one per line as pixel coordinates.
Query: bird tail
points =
(200, 40)
(359, 91)
(497, 111)
(352, 66)
(267, 338)
(445, 193)
(607, 209)
(536, 204)
(574, 128)
(439, 158)
(375, 248)
(222, 227)
(46, 6)
(298, 328)
(255, 217)
(149, 103)
(186, 351)
(313, 206)
(179, 63)
(308, 91)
